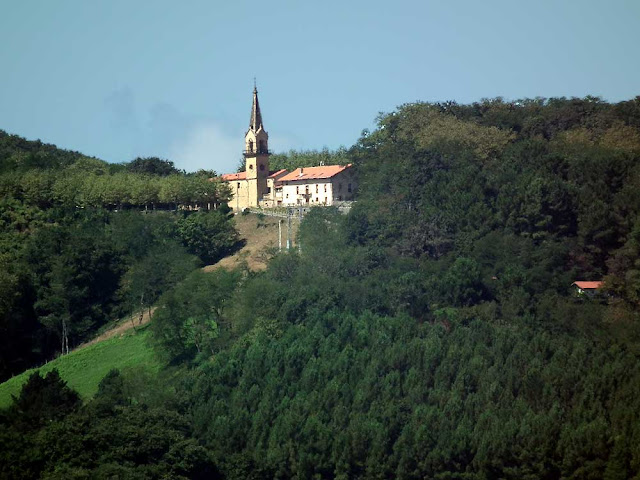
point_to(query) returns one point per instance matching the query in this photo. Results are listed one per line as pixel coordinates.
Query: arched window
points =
(251, 145)
(263, 149)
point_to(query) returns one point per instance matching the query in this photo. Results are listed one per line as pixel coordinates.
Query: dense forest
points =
(70, 266)
(433, 332)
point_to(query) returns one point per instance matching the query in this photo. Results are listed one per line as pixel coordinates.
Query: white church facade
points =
(257, 186)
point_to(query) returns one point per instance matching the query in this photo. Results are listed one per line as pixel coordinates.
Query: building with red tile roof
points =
(259, 187)
(584, 287)
(588, 285)
(229, 177)
(314, 173)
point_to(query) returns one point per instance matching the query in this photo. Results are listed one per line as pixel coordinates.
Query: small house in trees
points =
(257, 186)
(588, 288)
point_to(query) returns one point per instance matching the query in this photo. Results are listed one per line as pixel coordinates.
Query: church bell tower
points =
(256, 154)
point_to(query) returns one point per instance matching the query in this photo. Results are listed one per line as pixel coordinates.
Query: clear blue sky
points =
(119, 79)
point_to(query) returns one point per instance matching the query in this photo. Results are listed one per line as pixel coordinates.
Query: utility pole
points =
(289, 213)
(299, 223)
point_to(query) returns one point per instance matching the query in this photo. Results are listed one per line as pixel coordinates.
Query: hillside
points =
(432, 332)
(83, 369)
(20, 154)
(84, 243)
(259, 235)
(126, 344)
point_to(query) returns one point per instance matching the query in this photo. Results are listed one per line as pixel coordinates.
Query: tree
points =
(623, 279)
(43, 399)
(152, 166)
(191, 317)
(76, 276)
(163, 267)
(208, 235)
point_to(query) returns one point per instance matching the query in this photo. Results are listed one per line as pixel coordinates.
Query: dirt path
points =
(261, 237)
(122, 327)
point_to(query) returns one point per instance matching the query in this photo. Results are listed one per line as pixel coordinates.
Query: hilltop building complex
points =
(257, 186)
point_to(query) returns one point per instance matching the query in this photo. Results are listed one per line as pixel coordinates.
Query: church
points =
(258, 186)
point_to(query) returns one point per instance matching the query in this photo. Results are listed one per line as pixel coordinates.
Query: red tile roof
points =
(588, 285)
(310, 173)
(229, 177)
(306, 173)
(275, 174)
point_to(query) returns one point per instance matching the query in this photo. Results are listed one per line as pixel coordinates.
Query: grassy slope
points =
(83, 369)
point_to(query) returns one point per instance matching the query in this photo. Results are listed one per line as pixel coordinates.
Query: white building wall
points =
(320, 192)
(324, 191)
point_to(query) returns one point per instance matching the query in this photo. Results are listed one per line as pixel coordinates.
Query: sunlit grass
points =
(83, 369)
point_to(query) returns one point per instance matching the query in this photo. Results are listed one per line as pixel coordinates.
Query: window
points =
(297, 189)
(262, 168)
(317, 187)
(238, 184)
(251, 166)
(287, 195)
(268, 189)
(325, 188)
(251, 145)
(339, 187)
(349, 188)
(263, 147)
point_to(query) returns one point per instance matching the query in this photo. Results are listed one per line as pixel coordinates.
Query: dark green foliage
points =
(430, 333)
(68, 267)
(45, 176)
(209, 235)
(68, 273)
(111, 393)
(152, 166)
(113, 435)
(77, 277)
(43, 400)
(19, 154)
(191, 318)
(161, 269)
(386, 397)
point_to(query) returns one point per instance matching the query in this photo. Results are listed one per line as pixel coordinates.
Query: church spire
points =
(256, 117)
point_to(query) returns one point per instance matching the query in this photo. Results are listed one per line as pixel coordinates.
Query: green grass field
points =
(83, 369)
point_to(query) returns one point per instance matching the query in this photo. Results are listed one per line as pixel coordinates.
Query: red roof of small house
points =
(588, 285)
(277, 173)
(229, 177)
(311, 173)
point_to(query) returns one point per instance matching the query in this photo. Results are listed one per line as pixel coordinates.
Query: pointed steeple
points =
(256, 117)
